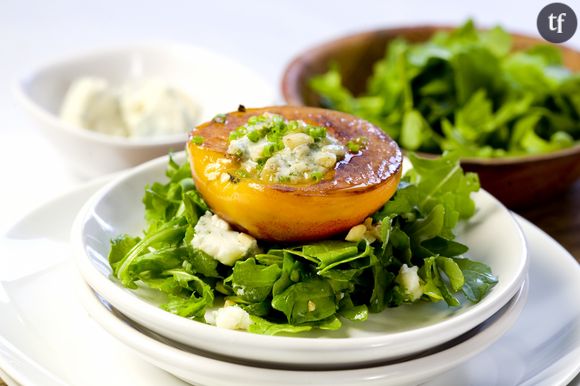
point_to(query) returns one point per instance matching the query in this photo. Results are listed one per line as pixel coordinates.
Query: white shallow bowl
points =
(492, 234)
(214, 82)
(197, 368)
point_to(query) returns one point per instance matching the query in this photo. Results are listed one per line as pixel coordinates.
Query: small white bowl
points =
(216, 83)
(492, 235)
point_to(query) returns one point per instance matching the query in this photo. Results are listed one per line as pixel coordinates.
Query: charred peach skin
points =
(358, 186)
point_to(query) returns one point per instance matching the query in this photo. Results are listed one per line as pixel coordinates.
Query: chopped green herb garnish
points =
(241, 173)
(316, 176)
(197, 139)
(270, 149)
(238, 133)
(255, 135)
(355, 145)
(316, 132)
(352, 146)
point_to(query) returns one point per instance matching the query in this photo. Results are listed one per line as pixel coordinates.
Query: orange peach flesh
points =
(288, 213)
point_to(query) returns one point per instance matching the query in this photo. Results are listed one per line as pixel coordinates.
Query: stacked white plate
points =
(402, 345)
(206, 369)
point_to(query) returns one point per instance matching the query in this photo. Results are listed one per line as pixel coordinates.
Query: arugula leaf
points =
(497, 40)
(274, 256)
(428, 227)
(157, 261)
(306, 301)
(202, 263)
(253, 282)
(200, 298)
(331, 86)
(442, 246)
(292, 272)
(265, 327)
(452, 271)
(161, 204)
(194, 206)
(475, 120)
(188, 295)
(120, 246)
(382, 278)
(401, 246)
(478, 279)
(330, 253)
(343, 280)
(432, 280)
(412, 130)
(169, 235)
(437, 287)
(347, 309)
(442, 182)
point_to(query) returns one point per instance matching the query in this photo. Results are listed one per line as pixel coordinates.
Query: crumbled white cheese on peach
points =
(294, 140)
(302, 159)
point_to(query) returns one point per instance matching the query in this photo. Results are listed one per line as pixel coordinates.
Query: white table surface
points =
(264, 35)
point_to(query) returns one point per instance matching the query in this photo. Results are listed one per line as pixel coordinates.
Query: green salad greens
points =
(405, 253)
(466, 91)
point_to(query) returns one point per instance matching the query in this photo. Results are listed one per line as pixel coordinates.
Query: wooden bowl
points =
(516, 181)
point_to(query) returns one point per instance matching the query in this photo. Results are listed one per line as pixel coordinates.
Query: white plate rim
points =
(423, 367)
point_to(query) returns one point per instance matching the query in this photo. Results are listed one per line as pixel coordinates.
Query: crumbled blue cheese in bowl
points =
(136, 109)
(280, 151)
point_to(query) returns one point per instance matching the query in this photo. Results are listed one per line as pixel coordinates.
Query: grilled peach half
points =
(357, 186)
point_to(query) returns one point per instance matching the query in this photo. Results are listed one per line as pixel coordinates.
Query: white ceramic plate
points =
(46, 337)
(198, 369)
(216, 83)
(493, 236)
